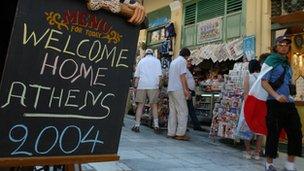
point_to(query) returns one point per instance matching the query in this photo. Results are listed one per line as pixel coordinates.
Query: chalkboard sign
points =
(65, 81)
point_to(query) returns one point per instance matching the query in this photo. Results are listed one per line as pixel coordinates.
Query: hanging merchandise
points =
(235, 49)
(212, 51)
(226, 113)
(165, 62)
(170, 30)
(222, 53)
(208, 51)
(238, 48)
(166, 47)
(195, 60)
(232, 50)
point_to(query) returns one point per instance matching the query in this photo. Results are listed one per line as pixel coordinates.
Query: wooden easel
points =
(68, 161)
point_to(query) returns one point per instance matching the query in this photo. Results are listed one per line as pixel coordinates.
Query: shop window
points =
(190, 14)
(284, 7)
(234, 6)
(290, 6)
(189, 23)
(159, 17)
(189, 35)
(156, 30)
(198, 11)
(276, 7)
(233, 26)
(156, 36)
(210, 9)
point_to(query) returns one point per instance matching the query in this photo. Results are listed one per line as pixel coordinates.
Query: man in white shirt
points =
(178, 93)
(147, 77)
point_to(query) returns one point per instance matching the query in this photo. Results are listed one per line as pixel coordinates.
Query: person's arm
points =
(269, 89)
(182, 76)
(135, 85)
(185, 85)
(136, 75)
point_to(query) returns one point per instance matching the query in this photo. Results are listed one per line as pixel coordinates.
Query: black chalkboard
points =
(65, 80)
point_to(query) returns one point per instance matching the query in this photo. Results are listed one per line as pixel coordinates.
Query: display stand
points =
(226, 113)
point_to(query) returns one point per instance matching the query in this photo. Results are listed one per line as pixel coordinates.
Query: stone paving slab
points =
(146, 151)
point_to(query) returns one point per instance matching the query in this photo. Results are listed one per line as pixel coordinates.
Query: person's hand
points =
(138, 15)
(187, 94)
(282, 99)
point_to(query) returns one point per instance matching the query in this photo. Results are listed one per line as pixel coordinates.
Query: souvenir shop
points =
(218, 71)
(219, 97)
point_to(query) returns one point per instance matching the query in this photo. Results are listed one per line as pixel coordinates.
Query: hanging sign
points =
(209, 30)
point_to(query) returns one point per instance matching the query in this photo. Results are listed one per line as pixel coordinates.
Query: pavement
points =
(147, 151)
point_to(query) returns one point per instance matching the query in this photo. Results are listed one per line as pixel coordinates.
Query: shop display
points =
(204, 105)
(214, 84)
(226, 113)
(232, 50)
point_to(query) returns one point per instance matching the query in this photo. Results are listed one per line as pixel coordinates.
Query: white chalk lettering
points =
(92, 50)
(106, 107)
(54, 66)
(10, 94)
(94, 101)
(62, 65)
(66, 47)
(69, 69)
(118, 64)
(99, 75)
(59, 98)
(33, 35)
(39, 87)
(78, 48)
(92, 47)
(106, 51)
(51, 38)
(84, 72)
(67, 103)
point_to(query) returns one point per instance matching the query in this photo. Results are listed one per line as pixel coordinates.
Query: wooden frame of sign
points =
(40, 73)
(13, 162)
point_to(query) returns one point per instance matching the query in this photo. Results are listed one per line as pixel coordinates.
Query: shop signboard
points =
(209, 30)
(65, 83)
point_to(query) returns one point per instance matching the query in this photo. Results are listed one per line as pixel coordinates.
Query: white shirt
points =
(190, 80)
(177, 68)
(252, 78)
(148, 71)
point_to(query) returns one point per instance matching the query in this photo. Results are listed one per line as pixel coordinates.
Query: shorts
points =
(152, 94)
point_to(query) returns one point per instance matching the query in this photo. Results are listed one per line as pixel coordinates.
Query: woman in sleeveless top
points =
(243, 131)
